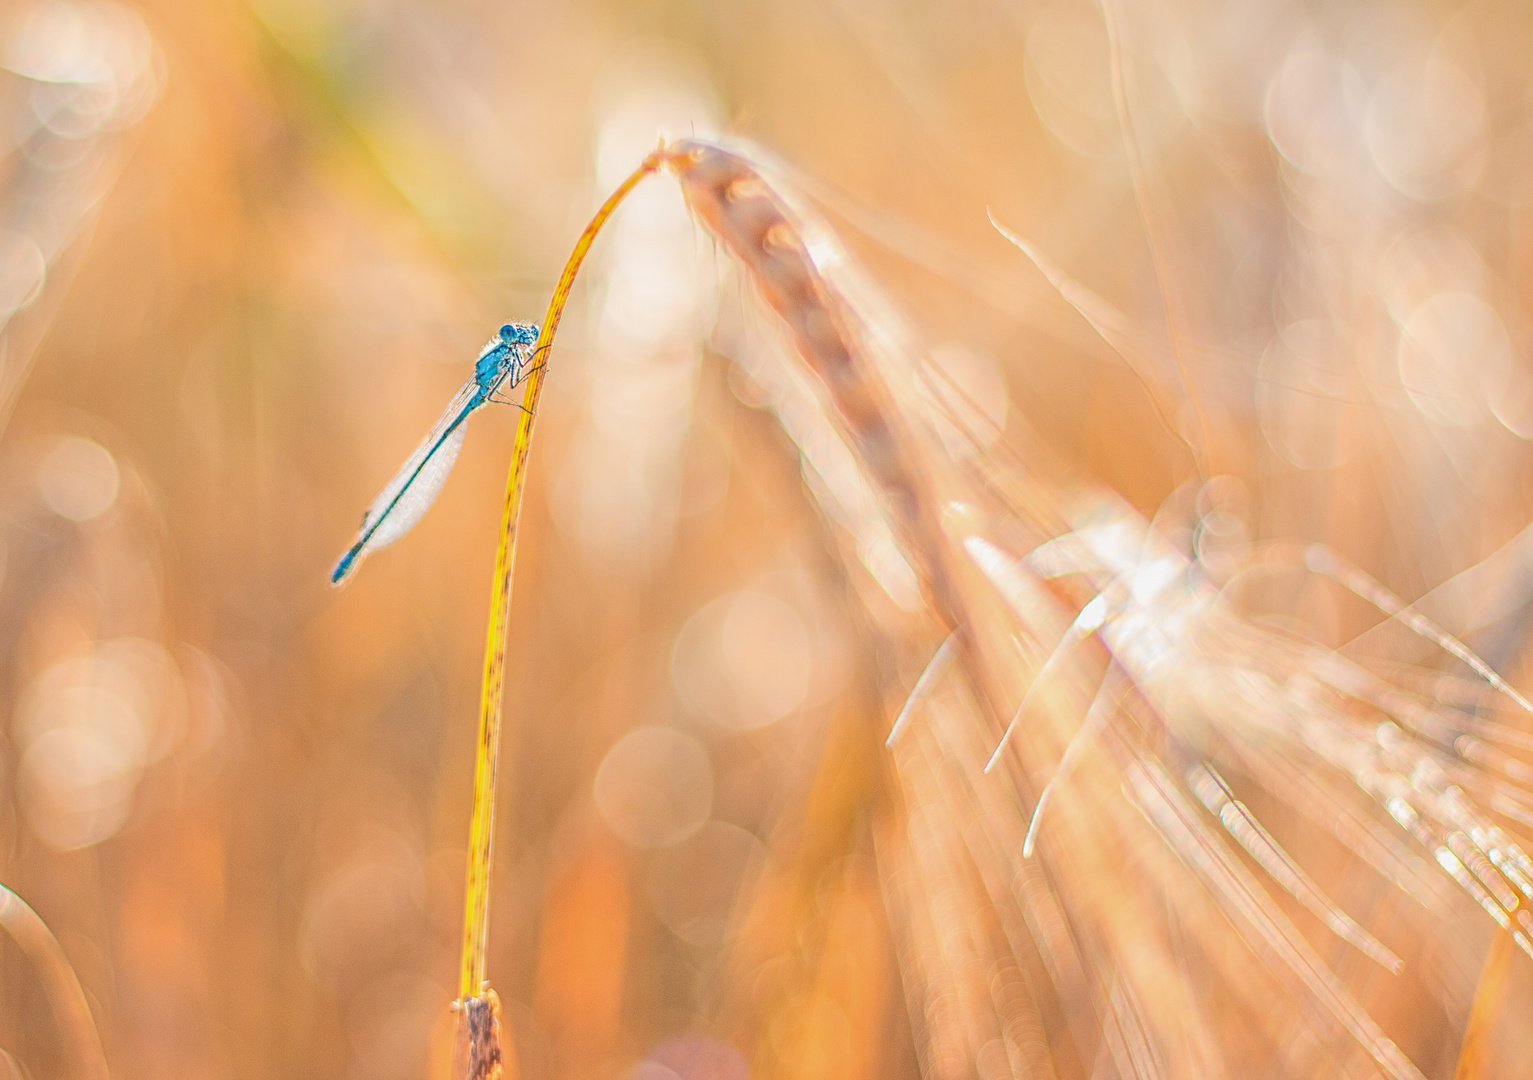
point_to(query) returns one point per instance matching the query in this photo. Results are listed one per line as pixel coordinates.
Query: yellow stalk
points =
(486, 758)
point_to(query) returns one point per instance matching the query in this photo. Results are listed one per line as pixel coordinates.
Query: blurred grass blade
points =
(70, 1008)
(1487, 1004)
(1322, 560)
(1167, 811)
(1117, 332)
(1240, 823)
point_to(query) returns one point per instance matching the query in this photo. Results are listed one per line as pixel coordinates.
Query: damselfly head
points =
(519, 333)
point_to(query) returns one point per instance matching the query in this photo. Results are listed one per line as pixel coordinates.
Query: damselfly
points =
(503, 362)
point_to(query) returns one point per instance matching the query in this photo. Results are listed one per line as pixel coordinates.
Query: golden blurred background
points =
(247, 251)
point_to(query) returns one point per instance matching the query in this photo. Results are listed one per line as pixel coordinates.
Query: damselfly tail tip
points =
(347, 564)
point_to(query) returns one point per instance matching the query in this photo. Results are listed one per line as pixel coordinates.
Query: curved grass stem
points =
(471, 984)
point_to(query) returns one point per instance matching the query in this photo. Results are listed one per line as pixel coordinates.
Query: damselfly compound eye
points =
(519, 333)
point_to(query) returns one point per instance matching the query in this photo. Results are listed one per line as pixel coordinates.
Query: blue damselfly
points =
(503, 363)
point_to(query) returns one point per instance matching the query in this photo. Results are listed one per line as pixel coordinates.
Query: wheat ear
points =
(735, 203)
